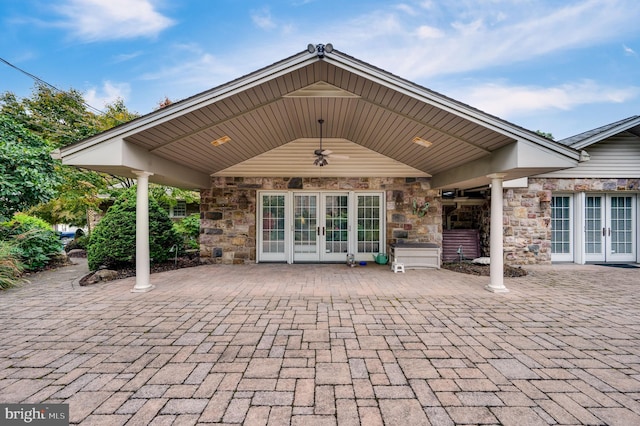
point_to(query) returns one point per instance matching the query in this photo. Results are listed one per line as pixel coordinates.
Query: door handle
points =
(608, 232)
(317, 230)
(323, 231)
(604, 232)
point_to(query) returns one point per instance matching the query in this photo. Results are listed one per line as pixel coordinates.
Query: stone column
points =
(496, 242)
(142, 233)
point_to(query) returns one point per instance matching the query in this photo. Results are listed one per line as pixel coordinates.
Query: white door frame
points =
(579, 221)
(321, 255)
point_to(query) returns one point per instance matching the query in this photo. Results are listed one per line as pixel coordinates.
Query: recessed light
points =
(221, 140)
(418, 140)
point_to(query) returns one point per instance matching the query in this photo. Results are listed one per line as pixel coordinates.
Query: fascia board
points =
(121, 154)
(105, 154)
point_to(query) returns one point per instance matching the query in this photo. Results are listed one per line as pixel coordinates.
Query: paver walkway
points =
(325, 344)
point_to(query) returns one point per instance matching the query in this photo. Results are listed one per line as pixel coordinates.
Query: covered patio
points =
(265, 126)
(327, 344)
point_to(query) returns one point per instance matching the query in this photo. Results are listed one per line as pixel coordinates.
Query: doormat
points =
(618, 265)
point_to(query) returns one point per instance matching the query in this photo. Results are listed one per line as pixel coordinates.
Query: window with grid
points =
(179, 210)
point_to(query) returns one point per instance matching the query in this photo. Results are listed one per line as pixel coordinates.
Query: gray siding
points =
(616, 157)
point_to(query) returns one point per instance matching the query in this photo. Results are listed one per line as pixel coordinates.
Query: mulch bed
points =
(484, 270)
(182, 262)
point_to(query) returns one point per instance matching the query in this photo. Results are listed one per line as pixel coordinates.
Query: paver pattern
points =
(326, 344)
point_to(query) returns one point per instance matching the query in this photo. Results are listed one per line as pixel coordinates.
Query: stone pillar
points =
(496, 284)
(142, 233)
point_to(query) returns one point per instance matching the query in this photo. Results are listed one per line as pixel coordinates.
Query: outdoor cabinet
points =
(416, 255)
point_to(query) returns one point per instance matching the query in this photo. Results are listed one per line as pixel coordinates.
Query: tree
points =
(60, 118)
(545, 135)
(27, 171)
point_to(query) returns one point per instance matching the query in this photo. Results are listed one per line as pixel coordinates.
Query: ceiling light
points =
(418, 140)
(221, 140)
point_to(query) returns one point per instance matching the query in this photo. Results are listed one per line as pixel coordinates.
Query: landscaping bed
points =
(484, 270)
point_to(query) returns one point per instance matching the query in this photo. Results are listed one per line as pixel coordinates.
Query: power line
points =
(41, 81)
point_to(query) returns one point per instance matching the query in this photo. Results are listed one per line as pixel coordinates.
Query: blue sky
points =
(560, 66)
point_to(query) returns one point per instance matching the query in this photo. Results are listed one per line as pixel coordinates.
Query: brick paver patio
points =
(325, 344)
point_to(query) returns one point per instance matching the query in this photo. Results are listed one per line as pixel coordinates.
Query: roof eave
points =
(606, 134)
(197, 101)
(448, 104)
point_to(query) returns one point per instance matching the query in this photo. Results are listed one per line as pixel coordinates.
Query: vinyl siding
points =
(616, 157)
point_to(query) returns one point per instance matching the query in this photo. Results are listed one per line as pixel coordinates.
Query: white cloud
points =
(192, 69)
(476, 35)
(107, 94)
(95, 20)
(123, 57)
(403, 7)
(427, 32)
(263, 19)
(629, 51)
(508, 101)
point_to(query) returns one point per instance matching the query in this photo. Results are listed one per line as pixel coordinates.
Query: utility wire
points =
(41, 81)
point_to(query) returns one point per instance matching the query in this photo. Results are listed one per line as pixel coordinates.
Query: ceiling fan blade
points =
(326, 152)
(339, 156)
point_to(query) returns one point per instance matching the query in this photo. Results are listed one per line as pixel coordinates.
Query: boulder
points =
(101, 275)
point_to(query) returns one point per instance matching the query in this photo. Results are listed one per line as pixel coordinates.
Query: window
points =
(179, 210)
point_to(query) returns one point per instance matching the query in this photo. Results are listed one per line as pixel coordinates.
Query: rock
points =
(482, 260)
(77, 253)
(101, 275)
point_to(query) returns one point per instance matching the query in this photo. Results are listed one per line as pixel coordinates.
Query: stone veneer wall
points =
(527, 220)
(527, 214)
(228, 211)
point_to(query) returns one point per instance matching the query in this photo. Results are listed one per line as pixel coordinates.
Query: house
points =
(587, 213)
(321, 155)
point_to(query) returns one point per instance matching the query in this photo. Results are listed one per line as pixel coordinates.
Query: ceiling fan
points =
(323, 154)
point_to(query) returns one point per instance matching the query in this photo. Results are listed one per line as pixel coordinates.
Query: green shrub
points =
(189, 230)
(35, 243)
(10, 266)
(113, 241)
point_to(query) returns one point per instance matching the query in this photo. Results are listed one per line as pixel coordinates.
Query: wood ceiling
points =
(283, 111)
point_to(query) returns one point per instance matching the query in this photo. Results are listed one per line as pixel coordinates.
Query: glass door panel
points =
(336, 227)
(369, 223)
(305, 227)
(594, 228)
(620, 232)
(561, 229)
(272, 227)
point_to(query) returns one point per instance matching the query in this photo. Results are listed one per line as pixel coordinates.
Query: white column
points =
(496, 284)
(142, 233)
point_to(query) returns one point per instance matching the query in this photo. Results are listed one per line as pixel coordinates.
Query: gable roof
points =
(275, 110)
(583, 140)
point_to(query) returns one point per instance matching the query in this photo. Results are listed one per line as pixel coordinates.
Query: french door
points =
(319, 226)
(610, 228)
